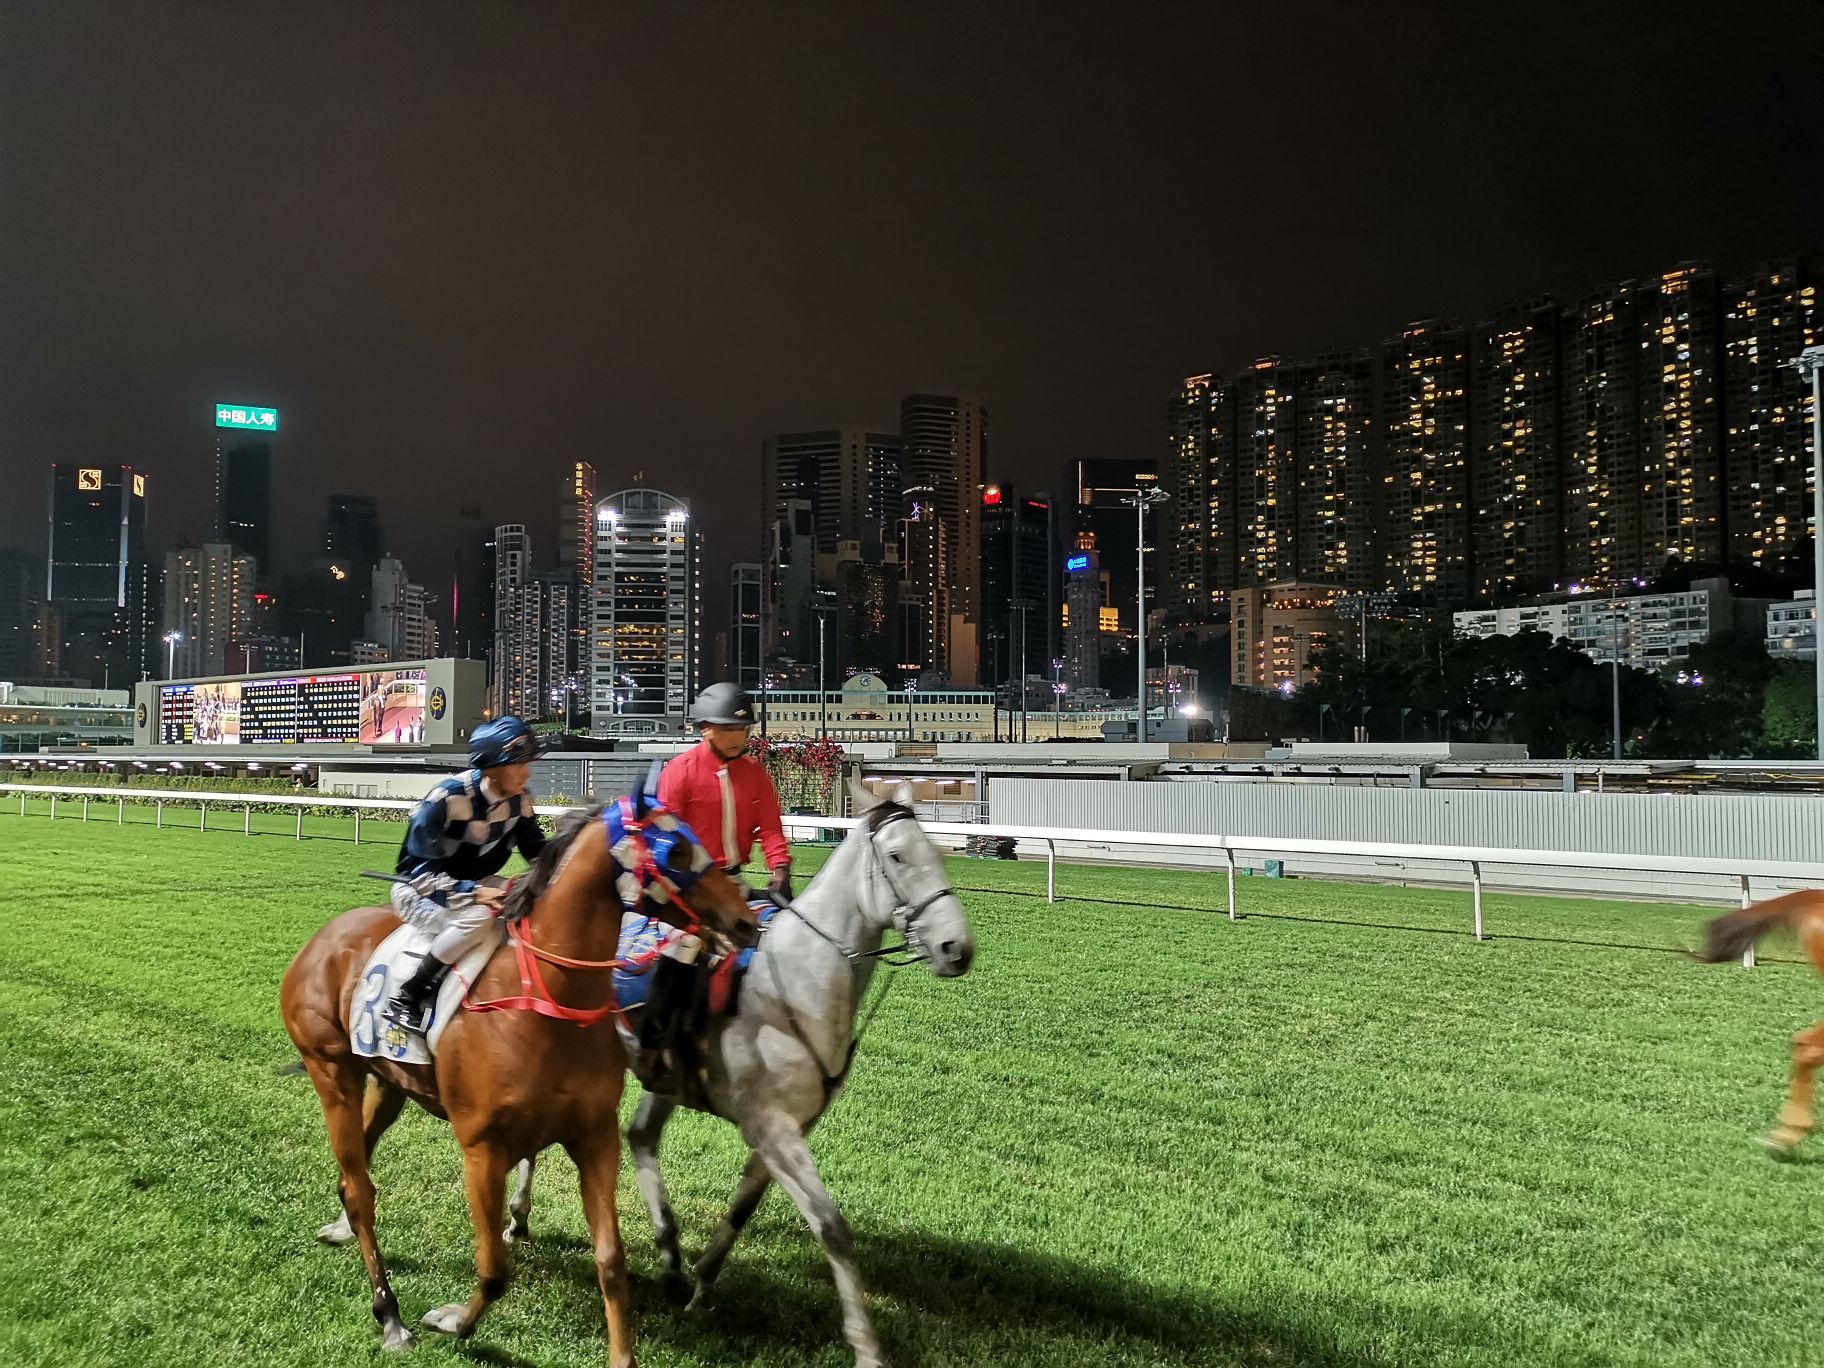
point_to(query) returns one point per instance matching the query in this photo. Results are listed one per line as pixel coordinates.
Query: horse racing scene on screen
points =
(994, 686)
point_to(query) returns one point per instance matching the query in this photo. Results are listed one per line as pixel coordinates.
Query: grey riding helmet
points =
(724, 705)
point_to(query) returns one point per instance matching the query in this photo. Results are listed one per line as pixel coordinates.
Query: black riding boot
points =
(666, 1004)
(413, 998)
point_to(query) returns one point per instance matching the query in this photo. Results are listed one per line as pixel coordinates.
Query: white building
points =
(1646, 630)
(398, 621)
(643, 651)
(1792, 628)
(209, 601)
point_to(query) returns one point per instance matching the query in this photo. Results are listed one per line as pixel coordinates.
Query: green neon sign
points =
(260, 419)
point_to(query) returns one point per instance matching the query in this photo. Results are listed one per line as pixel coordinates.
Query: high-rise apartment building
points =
(399, 618)
(1681, 463)
(1333, 436)
(1191, 432)
(209, 602)
(645, 612)
(1599, 389)
(1263, 452)
(23, 635)
(925, 608)
(1770, 315)
(1425, 403)
(1517, 475)
(945, 445)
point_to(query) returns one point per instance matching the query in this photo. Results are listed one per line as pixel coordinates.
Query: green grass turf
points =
(1337, 1132)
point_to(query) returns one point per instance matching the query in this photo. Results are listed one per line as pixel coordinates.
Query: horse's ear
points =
(862, 798)
(903, 796)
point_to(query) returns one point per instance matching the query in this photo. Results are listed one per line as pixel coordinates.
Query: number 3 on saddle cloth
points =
(647, 940)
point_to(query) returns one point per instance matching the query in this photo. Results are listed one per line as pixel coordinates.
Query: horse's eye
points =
(679, 858)
(894, 856)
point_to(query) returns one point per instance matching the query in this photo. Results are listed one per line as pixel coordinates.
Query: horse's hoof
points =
(676, 1288)
(449, 1320)
(699, 1300)
(1782, 1142)
(397, 1340)
(516, 1233)
(337, 1233)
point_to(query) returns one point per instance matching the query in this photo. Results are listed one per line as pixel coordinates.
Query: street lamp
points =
(911, 690)
(1020, 606)
(171, 640)
(823, 607)
(1810, 366)
(1057, 700)
(1140, 499)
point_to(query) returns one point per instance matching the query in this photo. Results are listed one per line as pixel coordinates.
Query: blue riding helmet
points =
(504, 741)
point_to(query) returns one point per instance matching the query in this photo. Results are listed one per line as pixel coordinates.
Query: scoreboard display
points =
(368, 707)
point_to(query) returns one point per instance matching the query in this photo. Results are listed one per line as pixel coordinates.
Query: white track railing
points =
(1471, 858)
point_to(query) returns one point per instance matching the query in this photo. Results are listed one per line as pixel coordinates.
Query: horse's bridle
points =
(906, 912)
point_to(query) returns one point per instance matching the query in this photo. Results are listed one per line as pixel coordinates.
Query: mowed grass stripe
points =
(1129, 1136)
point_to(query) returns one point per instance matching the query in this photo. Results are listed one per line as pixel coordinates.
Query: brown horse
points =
(1726, 938)
(509, 1082)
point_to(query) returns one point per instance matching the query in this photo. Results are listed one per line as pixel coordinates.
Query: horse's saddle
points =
(392, 963)
(644, 941)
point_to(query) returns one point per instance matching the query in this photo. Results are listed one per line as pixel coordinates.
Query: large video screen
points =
(392, 708)
(377, 707)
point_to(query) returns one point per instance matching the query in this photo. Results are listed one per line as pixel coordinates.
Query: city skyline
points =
(745, 231)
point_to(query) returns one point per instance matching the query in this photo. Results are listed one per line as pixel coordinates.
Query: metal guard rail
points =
(1474, 857)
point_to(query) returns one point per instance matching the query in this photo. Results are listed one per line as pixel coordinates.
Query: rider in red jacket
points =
(727, 798)
(723, 793)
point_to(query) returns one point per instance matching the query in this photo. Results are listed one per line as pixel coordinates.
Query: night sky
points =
(459, 246)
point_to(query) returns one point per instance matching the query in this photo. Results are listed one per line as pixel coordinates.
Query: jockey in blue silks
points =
(460, 838)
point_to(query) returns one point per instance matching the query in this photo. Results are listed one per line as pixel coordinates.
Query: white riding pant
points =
(458, 924)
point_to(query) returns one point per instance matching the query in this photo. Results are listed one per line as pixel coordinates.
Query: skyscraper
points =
(1019, 567)
(850, 478)
(22, 620)
(1518, 469)
(1264, 447)
(576, 525)
(1333, 434)
(243, 481)
(1681, 466)
(209, 599)
(946, 451)
(351, 531)
(1425, 402)
(1191, 431)
(472, 586)
(745, 645)
(98, 580)
(925, 605)
(1770, 315)
(1086, 595)
(399, 619)
(644, 649)
(1599, 385)
(518, 624)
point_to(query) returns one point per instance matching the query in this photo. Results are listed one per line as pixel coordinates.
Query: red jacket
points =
(726, 804)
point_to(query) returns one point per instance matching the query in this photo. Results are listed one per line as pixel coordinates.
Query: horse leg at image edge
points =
(1796, 1117)
(598, 1167)
(519, 1209)
(755, 1179)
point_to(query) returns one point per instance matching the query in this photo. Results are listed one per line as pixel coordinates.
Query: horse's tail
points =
(1730, 935)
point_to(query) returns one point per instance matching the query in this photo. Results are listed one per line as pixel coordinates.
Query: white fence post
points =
(300, 824)
(53, 807)
(202, 816)
(1748, 954)
(1051, 870)
(247, 820)
(120, 815)
(85, 807)
(1475, 874)
(158, 819)
(1228, 854)
(357, 826)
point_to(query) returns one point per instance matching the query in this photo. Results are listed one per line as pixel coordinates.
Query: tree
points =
(1789, 723)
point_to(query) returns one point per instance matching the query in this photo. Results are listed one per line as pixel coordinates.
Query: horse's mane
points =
(886, 811)
(530, 887)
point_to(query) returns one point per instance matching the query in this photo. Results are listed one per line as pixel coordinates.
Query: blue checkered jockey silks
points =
(659, 856)
(458, 837)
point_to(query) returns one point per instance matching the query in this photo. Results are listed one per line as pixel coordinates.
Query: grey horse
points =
(775, 1066)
